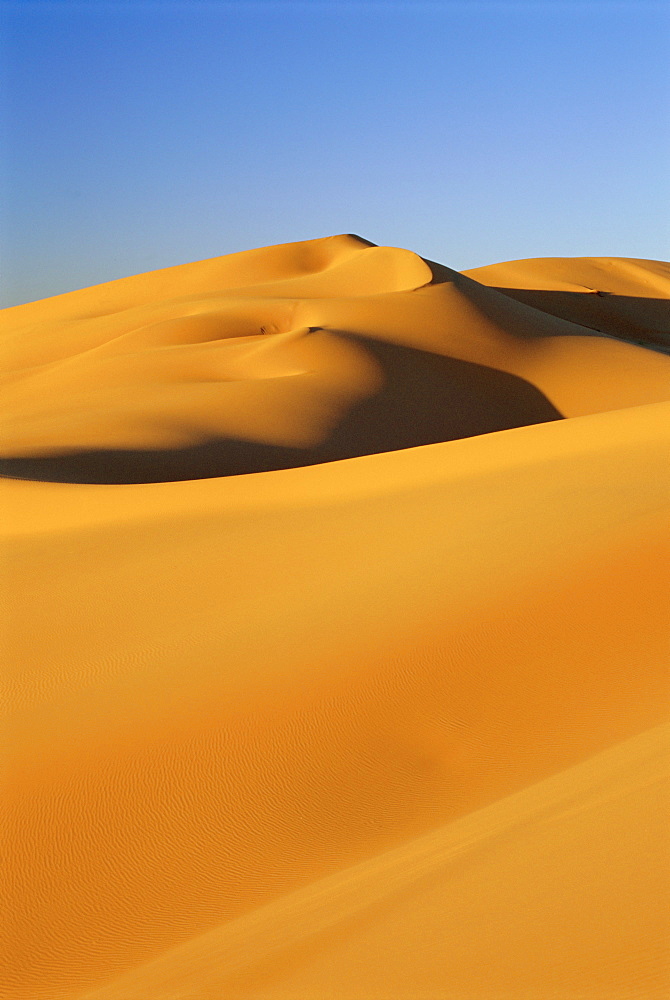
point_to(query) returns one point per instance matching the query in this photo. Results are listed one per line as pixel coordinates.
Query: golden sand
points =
(337, 631)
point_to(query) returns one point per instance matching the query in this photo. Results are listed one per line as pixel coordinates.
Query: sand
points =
(337, 631)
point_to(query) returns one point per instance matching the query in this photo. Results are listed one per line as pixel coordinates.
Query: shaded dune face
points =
(314, 352)
(641, 321)
(629, 299)
(424, 399)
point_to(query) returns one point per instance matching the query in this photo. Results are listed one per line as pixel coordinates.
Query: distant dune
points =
(337, 631)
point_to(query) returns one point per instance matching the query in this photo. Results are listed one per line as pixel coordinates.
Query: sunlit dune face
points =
(336, 631)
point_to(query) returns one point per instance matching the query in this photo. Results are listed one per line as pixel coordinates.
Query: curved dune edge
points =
(455, 912)
(617, 275)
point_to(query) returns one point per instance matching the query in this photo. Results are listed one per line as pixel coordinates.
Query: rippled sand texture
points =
(338, 631)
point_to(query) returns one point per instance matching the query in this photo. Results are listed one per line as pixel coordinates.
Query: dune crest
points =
(336, 588)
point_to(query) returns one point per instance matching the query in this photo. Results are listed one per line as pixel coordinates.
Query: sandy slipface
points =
(337, 630)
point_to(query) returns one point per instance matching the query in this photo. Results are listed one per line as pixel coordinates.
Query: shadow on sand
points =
(639, 320)
(426, 398)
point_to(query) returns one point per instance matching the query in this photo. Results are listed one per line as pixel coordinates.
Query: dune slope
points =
(569, 870)
(337, 635)
(622, 298)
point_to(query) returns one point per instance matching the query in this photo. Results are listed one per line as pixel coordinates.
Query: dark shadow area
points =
(362, 239)
(641, 321)
(441, 273)
(426, 399)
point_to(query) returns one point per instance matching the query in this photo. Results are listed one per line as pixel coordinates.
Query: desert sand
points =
(337, 631)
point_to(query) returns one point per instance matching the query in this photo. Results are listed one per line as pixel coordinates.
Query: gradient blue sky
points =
(145, 134)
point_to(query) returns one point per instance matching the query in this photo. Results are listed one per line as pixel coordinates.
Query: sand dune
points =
(622, 298)
(337, 632)
(354, 350)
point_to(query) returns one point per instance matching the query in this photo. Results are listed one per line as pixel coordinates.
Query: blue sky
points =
(139, 135)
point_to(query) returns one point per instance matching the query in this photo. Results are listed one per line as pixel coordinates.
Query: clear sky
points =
(139, 135)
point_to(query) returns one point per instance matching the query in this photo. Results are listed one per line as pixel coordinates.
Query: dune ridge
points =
(336, 588)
